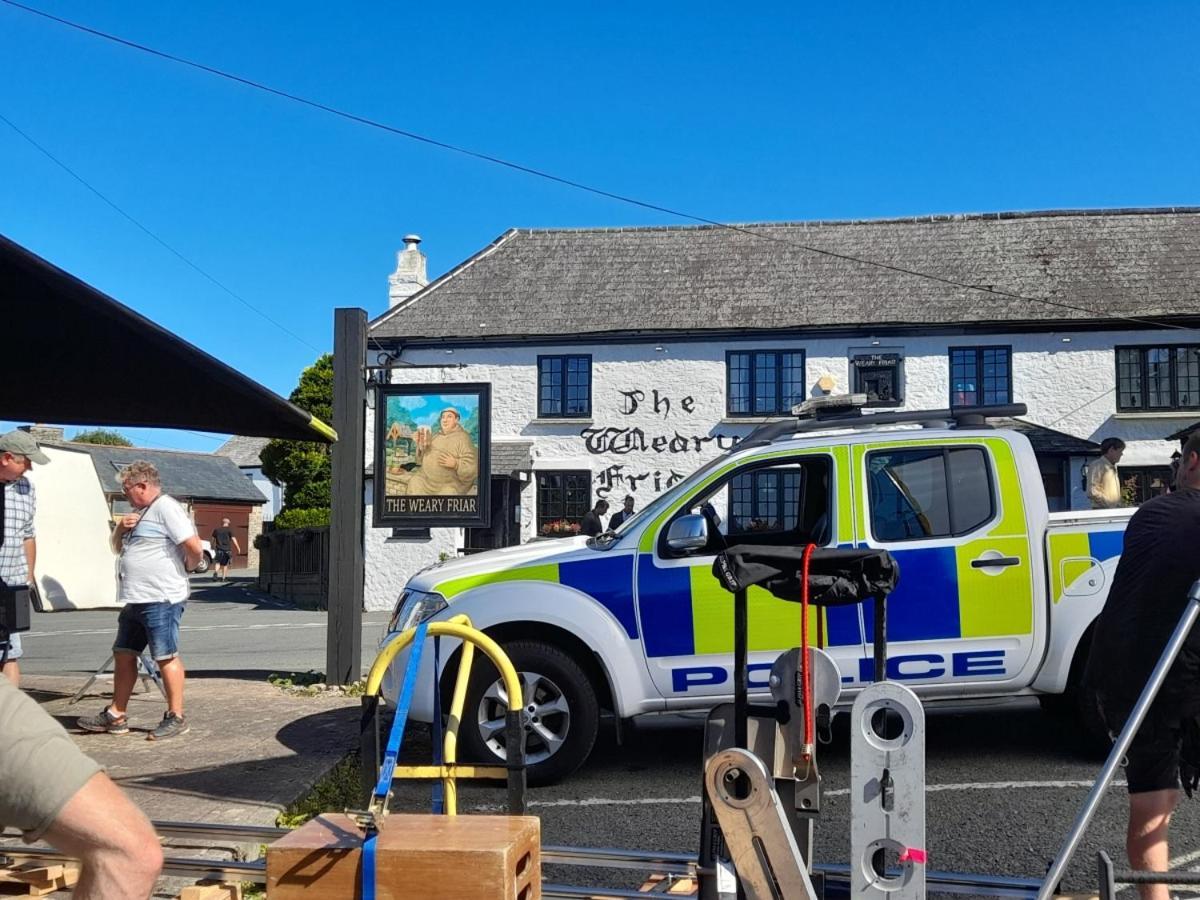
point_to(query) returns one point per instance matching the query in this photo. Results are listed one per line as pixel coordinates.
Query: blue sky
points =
(792, 111)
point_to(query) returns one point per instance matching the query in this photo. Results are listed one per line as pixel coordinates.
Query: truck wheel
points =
(561, 702)
(202, 566)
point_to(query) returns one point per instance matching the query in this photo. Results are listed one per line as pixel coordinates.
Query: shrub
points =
(301, 518)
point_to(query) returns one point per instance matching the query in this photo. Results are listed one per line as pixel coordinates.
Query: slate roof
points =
(1049, 442)
(529, 283)
(1183, 433)
(185, 476)
(244, 451)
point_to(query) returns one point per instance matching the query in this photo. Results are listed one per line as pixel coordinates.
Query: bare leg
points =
(12, 671)
(124, 678)
(172, 676)
(1146, 840)
(119, 850)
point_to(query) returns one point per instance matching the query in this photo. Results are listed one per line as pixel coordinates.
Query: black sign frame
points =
(396, 509)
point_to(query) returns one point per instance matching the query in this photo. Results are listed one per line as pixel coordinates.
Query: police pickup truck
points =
(996, 594)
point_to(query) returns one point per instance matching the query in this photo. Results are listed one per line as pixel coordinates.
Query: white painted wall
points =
(1067, 385)
(273, 492)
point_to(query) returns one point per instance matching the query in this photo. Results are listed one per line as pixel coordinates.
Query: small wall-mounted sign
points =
(432, 453)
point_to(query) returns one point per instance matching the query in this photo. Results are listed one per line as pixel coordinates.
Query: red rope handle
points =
(805, 669)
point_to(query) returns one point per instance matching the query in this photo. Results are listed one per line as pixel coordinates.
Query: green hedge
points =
(301, 518)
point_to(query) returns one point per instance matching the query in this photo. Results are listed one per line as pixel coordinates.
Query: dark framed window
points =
(1142, 483)
(1162, 377)
(564, 386)
(1054, 474)
(562, 496)
(980, 376)
(879, 376)
(763, 382)
(765, 500)
(929, 492)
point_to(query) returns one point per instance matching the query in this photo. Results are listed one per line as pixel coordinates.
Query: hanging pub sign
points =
(432, 453)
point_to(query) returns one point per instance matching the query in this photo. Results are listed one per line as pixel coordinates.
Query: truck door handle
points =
(988, 562)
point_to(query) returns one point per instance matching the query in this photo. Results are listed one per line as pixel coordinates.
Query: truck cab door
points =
(687, 616)
(952, 514)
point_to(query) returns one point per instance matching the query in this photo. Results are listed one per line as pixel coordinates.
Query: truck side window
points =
(928, 492)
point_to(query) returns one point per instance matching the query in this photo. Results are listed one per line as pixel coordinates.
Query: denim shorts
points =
(156, 624)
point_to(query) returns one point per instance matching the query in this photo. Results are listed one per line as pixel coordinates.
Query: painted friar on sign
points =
(431, 455)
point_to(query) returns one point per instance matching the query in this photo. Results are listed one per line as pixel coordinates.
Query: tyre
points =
(203, 565)
(563, 712)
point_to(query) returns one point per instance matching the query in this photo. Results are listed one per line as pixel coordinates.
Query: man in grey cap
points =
(18, 547)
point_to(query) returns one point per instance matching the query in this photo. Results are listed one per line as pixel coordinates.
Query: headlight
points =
(413, 608)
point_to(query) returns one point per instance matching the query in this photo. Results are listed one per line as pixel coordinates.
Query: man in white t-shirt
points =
(158, 546)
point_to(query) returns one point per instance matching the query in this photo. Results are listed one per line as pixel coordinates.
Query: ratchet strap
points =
(387, 769)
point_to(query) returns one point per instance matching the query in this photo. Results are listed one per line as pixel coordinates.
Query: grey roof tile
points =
(552, 282)
(185, 476)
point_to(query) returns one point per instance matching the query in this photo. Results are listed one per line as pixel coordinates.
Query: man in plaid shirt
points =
(18, 547)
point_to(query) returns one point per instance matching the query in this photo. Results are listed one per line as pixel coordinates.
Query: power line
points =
(568, 182)
(62, 165)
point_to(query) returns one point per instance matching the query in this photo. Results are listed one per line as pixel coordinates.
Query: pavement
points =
(252, 749)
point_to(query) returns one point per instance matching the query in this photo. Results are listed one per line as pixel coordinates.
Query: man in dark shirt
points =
(1158, 565)
(593, 519)
(223, 543)
(619, 517)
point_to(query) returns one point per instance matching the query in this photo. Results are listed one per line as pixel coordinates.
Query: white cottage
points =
(621, 359)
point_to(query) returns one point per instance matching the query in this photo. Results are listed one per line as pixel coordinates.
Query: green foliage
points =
(310, 684)
(301, 518)
(339, 790)
(303, 467)
(102, 436)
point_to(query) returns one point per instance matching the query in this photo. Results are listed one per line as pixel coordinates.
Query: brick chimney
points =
(40, 433)
(409, 276)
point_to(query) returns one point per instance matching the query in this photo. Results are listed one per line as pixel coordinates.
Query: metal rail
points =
(837, 877)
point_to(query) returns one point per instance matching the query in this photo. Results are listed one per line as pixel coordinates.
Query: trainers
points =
(105, 722)
(170, 726)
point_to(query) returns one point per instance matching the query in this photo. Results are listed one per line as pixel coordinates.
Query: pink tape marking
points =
(912, 854)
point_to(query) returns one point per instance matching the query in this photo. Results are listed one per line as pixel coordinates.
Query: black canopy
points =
(75, 355)
(835, 577)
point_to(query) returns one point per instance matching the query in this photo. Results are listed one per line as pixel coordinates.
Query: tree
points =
(303, 468)
(102, 436)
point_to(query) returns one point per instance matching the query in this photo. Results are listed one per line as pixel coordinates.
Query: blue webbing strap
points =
(388, 767)
(439, 798)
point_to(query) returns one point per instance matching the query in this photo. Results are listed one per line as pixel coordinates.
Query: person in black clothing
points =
(619, 517)
(1149, 592)
(593, 519)
(223, 542)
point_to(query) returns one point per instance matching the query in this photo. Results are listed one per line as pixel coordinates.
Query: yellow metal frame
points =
(459, 627)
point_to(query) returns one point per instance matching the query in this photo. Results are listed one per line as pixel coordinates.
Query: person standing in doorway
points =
(223, 543)
(619, 517)
(158, 546)
(18, 546)
(1103, 483)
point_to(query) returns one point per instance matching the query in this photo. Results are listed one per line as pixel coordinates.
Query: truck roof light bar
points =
(847, 416)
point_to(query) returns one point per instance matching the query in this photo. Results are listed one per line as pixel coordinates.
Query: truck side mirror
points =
(687, 533)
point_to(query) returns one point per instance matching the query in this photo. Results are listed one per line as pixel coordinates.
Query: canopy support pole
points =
(343, 642)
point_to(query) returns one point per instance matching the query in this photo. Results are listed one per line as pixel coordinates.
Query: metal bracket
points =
(755, 828)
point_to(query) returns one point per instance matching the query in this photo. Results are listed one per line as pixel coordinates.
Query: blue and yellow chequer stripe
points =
(1073, 553)
(686, 611)
(607, 579)
(939, 595)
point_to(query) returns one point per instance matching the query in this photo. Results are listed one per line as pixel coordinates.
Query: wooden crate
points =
(427, 856)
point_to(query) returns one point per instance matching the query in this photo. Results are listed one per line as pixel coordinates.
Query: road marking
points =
(839, 792)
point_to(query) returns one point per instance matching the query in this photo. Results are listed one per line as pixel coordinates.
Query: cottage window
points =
(980, 376)
(564, 386)
(763, 382)
(1155, 378)
(562, 497)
